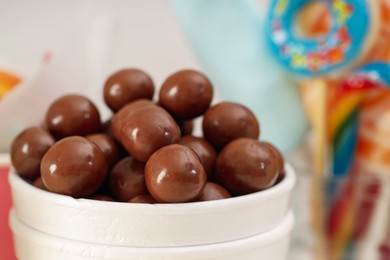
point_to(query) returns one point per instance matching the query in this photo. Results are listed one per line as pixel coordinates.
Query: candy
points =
(143, 199)
(122, 115)
(227, 121)
(245, 166)
(213, 191)
(127, 179)
(164, 162)
(186, 94)
(74, 166)
(126, 86)
(204, 150)
(72, 115)
(108, 146)
(148, 129)
(175, 174)
(27, 150)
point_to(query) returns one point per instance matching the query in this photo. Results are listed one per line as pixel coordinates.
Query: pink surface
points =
(6, 243)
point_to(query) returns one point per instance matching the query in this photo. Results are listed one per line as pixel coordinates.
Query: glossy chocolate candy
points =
(72, 115)
(186, 94)
(109, 147)
(227, 121)
(245, 166)
(204, 150)
(122, 115)
(213, 191)
(143, 199)
(126, 86)
(127, 179)
(148, 129)
(74, 166)
(27, 150)
(175, 174)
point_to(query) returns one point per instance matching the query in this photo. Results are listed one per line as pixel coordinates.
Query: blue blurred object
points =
(228, 38)
(336, 50)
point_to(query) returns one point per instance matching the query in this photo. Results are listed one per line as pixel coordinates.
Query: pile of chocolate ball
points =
(146, 152)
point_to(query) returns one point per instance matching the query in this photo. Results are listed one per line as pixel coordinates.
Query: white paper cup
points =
(151, 225)
(31, 244)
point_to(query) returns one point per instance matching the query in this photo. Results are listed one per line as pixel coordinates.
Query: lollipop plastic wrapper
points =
(358, 35)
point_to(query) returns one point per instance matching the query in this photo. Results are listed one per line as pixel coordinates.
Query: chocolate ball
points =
(127, 179)
(227, 121)
(245, 166)
(213, 191)
(143, 199)
(102, 197)
(186, 127)
(148, 129)
(279, 157)
(126, 86)
(186, 94)
(74, 166)
(174, 174)
(109, 147)
(204, 150)
(38, 182)
(122, 115)
(106, 128)
(27, 150)
(72, 115)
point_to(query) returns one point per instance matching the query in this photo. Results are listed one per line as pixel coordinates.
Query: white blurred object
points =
(76, 65)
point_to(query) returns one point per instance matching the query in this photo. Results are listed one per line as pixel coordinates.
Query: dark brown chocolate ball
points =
(245, 166)
(213, 191)
(38, 182)
(122, 115)
(204, 150)
(186, 94)
(72, 115)
(126, 86)
(186, 127)
(74, 166)
(279, 157)
(227, 121)
(127, 179)
(109, 147)
(27, 150)
(143, 199)
(102, 197)
(174, 173)
(148, 129)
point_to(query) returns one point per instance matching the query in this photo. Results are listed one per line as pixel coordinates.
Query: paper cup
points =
(31, 244)
(151, 225)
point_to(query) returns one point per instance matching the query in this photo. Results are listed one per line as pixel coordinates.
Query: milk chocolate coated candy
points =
(174, 173)
(143, 199)
(39, 183)
(204, 150)
(213, 191)
(102, 198)
(72, 115)
(186, 127)
(74, 166)
(127, 179)
(109, 147)
(126, 86)
(122, 115)
(279, 157)
(245, 166)
(227, 121)
(27, 150)
(186, 94)
(148, 129)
